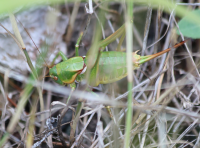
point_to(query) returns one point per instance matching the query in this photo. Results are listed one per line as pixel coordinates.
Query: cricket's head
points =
(54, 75)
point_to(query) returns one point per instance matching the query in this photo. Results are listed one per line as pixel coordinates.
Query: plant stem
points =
(129, 45)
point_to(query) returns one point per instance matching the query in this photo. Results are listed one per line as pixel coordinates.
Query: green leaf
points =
(189, 27)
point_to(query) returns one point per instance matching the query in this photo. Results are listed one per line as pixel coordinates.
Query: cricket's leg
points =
(64, 58)
(112, 37)
(78, 44)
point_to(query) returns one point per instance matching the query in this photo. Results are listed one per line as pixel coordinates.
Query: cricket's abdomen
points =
(112, 67)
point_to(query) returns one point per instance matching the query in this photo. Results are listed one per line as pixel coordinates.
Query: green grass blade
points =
(129, 46)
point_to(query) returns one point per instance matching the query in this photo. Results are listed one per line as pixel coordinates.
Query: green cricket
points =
(109, 66)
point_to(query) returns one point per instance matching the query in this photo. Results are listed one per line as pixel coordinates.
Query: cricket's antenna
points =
(33, 42)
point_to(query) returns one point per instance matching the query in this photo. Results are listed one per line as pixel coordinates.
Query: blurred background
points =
(165, 98)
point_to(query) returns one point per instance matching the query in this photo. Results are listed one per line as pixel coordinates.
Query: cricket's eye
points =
(55, 78)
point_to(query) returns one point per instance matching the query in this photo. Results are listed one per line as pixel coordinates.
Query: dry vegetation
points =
(165, 90)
